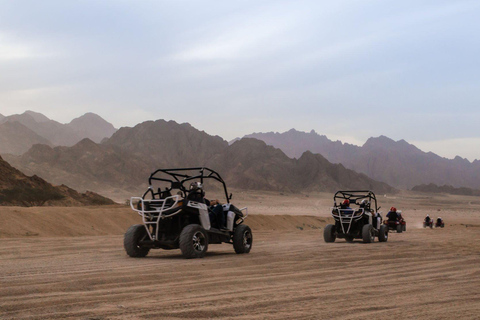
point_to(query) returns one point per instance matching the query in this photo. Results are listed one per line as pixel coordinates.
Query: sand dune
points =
(69, 263)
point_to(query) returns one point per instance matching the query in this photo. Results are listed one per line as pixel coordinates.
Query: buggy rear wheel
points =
(329, 233)
(242, 239)
(399, 228)
(383, 233)
(193, 241)
(131, 241)
(404, 227)
(368, 233)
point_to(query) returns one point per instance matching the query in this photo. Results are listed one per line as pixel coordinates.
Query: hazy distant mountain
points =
(18, 189)
(126, 159)
(433, 188)
(251, 164)
(38, 117)
(15, 138)
(92, 126)
(397, 163)
(52, 132)
(294, 143)
(1, 117)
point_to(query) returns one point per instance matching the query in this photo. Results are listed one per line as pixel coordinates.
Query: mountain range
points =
(433, 188)
(19, 132)
(90, 154)
(124, 162)
(397, 163)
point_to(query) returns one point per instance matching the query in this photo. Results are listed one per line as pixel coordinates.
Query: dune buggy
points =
(428, 222)
(399, 225)
(439, 223)
(358, 222)
(178, 216)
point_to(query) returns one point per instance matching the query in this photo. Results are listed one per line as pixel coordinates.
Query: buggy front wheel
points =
(242, 239)
(383, 233)
(131, 241)
(329, 233)
(368, 235)
(193, 241)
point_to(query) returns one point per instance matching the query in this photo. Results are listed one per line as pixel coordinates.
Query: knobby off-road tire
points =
(242, 239)
(399, 228)
(329, 233)
(368, 234)
(383, 233)
(424, 225)
(193, 241)
(131, 240)
(404, 227)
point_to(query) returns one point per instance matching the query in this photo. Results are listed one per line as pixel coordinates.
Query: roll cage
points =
(178, 177)
(356, 196)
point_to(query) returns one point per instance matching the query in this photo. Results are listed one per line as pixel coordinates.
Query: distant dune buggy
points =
(428, 223)
(182, 220)
(439, 223)
(357, 222)
(399, 225)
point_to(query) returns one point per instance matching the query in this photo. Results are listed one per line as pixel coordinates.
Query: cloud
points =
(13, 50)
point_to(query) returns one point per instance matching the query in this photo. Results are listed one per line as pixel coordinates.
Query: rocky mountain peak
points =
(38, 117)
(92, 126)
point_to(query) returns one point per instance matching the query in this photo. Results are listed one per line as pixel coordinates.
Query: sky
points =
(347, 69)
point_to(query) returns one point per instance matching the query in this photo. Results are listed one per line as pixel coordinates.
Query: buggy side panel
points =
(203, 213)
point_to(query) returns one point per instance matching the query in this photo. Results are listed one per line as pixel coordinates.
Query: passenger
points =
(217, 217)
(392, 215)
(364, 204)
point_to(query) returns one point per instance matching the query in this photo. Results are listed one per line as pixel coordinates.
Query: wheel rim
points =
(247, 239)
(199, 241)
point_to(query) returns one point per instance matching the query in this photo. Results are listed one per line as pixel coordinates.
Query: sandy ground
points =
(69, 263)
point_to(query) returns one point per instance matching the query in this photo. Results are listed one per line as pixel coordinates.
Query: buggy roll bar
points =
(182, 175)
(355, 195)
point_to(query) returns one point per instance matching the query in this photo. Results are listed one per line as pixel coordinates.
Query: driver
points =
(217, 217)
(439, 221)
(345, 206)
(392, 215)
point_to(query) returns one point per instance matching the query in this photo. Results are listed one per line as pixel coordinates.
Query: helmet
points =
(195, 185)
(346, 202)
(428, 215)
(393, 209)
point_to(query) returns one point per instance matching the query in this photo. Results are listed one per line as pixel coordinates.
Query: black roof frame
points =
(182, 175)
(354, 195)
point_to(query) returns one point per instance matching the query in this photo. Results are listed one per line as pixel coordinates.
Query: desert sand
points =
(69, 263)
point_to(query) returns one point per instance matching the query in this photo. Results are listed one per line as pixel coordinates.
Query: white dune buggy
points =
(183, 220)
